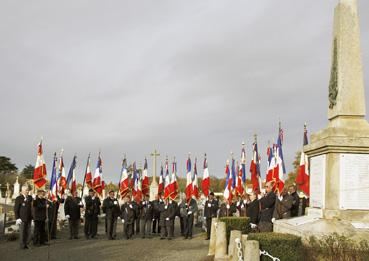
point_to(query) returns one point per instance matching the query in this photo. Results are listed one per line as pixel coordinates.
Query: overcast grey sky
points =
(181, 76)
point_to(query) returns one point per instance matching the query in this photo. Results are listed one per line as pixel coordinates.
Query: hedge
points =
(236, 223)
(283, 246)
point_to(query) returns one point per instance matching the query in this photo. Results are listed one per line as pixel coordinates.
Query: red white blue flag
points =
(303, 177)
(53, 193)
(195, 186)
(188, 179)
(161, 181)
(255, 169)
(39, 174)
(124, 180)
(173, 182)
(98, 182)
(205, 183)
(145, 180)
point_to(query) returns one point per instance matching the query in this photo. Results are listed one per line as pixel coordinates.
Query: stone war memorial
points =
(339, 154)
(169, 86)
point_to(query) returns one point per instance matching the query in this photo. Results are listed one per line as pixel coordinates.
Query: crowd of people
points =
(264, 209)
(145, 218)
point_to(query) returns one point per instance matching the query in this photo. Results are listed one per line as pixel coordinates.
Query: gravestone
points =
(16, 189)
(339, 154)
(154, 183)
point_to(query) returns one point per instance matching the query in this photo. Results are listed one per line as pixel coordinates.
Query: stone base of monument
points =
(313, 225)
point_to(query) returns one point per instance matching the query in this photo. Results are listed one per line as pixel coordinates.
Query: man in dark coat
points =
(72, 210)
(39, 216)
(182, 212)
(156, 214)
(242, 204)
(295, 201)
(253, 209)
(210, 211)
(267, 204)
(226, 209)
(23, 216)
(136, 223)
(92, 213)
(169, 221)
(53, 211)
(112, 212)
(128, 215)
(283, 205)
(191, 210)
(146, 216)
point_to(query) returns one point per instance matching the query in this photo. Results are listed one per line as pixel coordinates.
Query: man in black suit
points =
(210, 211)
(53, 210)
(267, 204)
(295, 200)
(128, 215)
(253, 209)
(112, 212)
(92, 213)
(169, 221)
(191, 210)
(72, 210)
(156, 214)
(23, 215)
(40, 206)
(146, 216)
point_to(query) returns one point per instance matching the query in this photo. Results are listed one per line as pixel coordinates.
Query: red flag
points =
(205, 183)
(145, 180)
(255, 169)
(174, 183)
(239, 184)
(88, 174)
(98, 183)
(303, 177)
(39, 174)
(62, 177)
(195, 186)
(167, 190)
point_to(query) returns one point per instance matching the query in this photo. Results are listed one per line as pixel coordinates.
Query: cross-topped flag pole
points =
(155, 154)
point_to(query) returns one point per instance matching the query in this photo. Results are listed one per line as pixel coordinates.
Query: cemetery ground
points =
(101, 249)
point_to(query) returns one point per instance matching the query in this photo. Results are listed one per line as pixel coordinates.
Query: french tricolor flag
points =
(174, 183)
(161, 181)
(188, 179)
(303, 177)
(145, 180)
(53, 193)
(255, 169)
(98, 183)
(124, 179)
(88, 174)
(167, 190)
(72, 175)
(280, 170)
(205, 184)
(195, 186)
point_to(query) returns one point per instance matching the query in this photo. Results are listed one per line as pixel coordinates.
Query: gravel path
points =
(152, 249)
